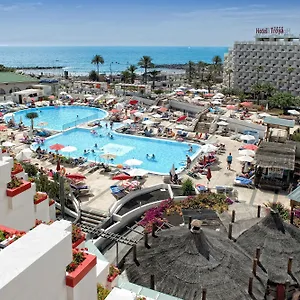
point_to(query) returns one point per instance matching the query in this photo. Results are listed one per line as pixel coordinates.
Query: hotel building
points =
(274, 57)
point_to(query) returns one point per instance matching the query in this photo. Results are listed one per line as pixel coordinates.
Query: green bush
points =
(30, 169)
(188, 187)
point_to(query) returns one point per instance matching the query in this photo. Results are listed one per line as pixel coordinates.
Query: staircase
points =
(90, 219)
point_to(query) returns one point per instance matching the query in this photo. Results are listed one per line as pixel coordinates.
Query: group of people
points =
(150, 156)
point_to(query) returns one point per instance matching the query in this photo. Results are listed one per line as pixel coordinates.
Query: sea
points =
(77, 60)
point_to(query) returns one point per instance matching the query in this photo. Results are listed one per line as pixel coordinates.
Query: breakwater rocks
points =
(172, 66)
(40, 68)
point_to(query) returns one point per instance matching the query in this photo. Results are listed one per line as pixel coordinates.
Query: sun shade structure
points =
(183, 262)
(276, 155)
(57, 147)
(279, 122)
(278, 242)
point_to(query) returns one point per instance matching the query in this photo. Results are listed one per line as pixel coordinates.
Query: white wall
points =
(185, 106)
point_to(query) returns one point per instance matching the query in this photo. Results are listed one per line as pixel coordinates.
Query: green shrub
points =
(30, 169)
(188, 187)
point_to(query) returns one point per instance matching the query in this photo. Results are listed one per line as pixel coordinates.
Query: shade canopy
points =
(250, 147)
(76, 176)
(69, 149)
(133, 102)
(122, 177)
(222, 123)
(245, 158)
(24, 154)
(133, 162)
(293, 112)
(247, 152)
(57, 147)
(208, 148)
(137, 172)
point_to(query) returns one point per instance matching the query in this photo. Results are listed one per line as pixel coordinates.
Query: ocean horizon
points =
(77, 59)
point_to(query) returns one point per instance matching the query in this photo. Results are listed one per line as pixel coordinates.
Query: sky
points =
(141, 22)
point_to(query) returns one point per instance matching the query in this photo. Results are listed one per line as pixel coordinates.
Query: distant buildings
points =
(273, 57)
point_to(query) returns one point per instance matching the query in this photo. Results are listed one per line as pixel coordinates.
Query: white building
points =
(274, 57)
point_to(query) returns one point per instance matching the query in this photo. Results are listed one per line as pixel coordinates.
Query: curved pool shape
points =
(60, 117)
(125, 147)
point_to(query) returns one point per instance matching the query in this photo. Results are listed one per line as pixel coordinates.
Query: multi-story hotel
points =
(274, 57)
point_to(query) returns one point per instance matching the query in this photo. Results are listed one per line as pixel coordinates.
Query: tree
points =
(97, 60)
(217, 63)
(190, 71)
(289, 71)
(32, 116)
(209, 81)
(125, 76)
(146, 63)
(283, 100)
(94, 76)
(201, 65)
(229, 72)
(154, 74)
(131, 69)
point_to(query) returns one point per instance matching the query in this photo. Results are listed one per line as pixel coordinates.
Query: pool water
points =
(56, 117)
(125, 147)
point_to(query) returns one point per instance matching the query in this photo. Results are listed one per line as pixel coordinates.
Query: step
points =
(94, 212)
(92, 216)
(91, 221)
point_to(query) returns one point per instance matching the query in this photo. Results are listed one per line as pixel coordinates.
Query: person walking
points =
(229, 161)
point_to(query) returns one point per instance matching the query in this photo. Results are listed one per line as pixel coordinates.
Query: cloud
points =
(19, 6)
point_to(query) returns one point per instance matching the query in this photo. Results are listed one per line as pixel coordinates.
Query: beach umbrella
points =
(148, 122)
(122, 177)
(162, 109)
(138, 114)
(246, 104)
(8, 144)
(247, 152)
(156, 116)
(216, 102)
(137, 172)
(208, 175)
(133, 162)
(63, 93)
(245, 158)
(58, 166)
(108, 156)
(231, 107)
(133, 102)
(42, 124)
(133, 111)
(114, 111)
(181, 93)
(57, 147)
(250, 147)
(222, 123)
(128, 121)
(3, 127)
(293, 112)
(173, 171)
(247, 137)
(207, 148)
(24, 154)
(76, 176)
(69, 149)
(181, 118)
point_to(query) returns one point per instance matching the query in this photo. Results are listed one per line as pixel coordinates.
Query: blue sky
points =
(140, 22)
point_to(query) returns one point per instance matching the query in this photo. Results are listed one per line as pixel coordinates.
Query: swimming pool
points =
(55, 118)
(125, 147)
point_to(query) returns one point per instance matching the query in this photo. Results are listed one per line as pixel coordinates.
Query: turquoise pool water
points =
(125, 147)
(56, 117)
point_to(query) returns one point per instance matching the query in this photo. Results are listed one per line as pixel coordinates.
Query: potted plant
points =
(141, 298)
(82, 263)
(78, 236)
(39, 197)
(102, 292)
(112, 273)
(9, 235)
(17, 186)
(17, 168)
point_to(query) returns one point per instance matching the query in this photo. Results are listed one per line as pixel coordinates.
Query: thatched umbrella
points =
(278, 241)
(183, 263)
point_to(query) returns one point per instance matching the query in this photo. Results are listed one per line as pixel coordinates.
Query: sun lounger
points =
(201, 188)
(117, 192)
(243, 182)
(224, 189)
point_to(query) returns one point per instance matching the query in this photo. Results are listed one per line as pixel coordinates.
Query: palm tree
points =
(209, 80)
(258, 70)
(217, 62)
(146, 63)
(201, 68)
(32, 116)
(228, 72)
(131, 69)
(289, 71)
(125, 76)
(191, 71)
(154, 74)
(98, 59)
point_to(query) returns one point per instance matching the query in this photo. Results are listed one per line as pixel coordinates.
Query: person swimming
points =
(93, 151)
(153, 156)
(191, 149)
(96, 145)
(147, 155)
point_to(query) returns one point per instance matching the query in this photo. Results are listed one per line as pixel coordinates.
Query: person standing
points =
(229, 161)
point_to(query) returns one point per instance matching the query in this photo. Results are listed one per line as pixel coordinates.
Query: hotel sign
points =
(273, 31)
